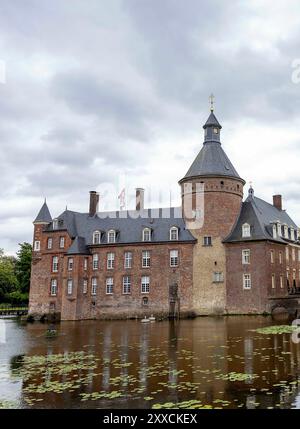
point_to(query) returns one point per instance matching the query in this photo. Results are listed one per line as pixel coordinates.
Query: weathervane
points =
(212, 101)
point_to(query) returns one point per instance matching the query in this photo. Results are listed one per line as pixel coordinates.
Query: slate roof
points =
(211, 160)
(259, 215)
(44, 214)
(127, 224)
(212, 121)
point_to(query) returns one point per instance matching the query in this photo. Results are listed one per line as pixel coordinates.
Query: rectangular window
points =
(247, 281)
(85, 263)
(109, 286)
(70, 264)
(272, 256)
(145, 284)
(174, 233)
(126, 284)
(37, 246)
(94, 286)
(84, 286)
(61, 242)
(207, 241)
(218, 277)
(49, 243)
(95, 261)
(145, 259)
(287, 253)
(281, 282)
(55, 264)
(280, 257)
(298, 255)
(273, 281)
(128, 260)
(110, 261)
(293, 254)
(173, 258)
(70, 287)
(294, 274)
(246, 256)
(53, 287)
(287, 273)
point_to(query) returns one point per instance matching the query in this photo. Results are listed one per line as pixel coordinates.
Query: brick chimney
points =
(94, 201)
(139, 198)
(277, 201)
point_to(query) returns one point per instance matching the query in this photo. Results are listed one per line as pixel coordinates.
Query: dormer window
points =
(55, 224)
(146, 234)
(274, 231)
(174, 233)
(111, 236)
(246, 230)
(286, 231)
(97, 237)
(292, 234)
(279, 229)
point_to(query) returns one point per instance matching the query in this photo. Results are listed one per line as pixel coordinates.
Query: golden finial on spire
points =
(212, 101)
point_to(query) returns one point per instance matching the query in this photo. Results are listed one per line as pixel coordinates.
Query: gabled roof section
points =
(128, 224)
(260, 215)
(43, 215)
(78, 247)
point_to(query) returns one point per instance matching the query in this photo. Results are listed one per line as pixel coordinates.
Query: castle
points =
(216, 254)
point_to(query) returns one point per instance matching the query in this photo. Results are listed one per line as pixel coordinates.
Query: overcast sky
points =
(100, 92)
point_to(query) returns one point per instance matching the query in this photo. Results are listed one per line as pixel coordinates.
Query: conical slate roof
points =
(44, 214)
(211, 160)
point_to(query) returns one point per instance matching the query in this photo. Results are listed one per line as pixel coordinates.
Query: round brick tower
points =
(212, 193)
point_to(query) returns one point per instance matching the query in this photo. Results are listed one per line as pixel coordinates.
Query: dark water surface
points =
(214, 362)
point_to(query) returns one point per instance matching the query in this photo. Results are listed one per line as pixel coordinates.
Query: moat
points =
(205, 362)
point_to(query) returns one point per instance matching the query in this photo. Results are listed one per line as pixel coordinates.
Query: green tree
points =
(23, 267)
(8, 279)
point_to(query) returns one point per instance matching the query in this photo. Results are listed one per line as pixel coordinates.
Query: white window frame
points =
(280, 257)
(174, 233)
(55, 224)
(128, 260)
(274, 229)
(96, 237)
(109, 286)
(218, 277)
(272, 256)
(145, 284)
(37, 245)
(69, 287)
(85, 264)
(146, 259)
(84, 286)
(247, 281)
(174, 258)
(146, 234)
(281, 281)
(49, 243)
(53, 288)
(246, 254)
(94, 286)
(55, 264)
(70, 264)
(293, 254)
(273, 281)
(61, 242)
(95, 261)
(110, 263)
(111, 236)
(246, 230)
(287, 253)
(126, 285)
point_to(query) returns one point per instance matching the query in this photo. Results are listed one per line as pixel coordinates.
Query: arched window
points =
(246, 230)
(146, 234)
(96, 237)
(111, 236)
(174, 233)
(145, 300)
